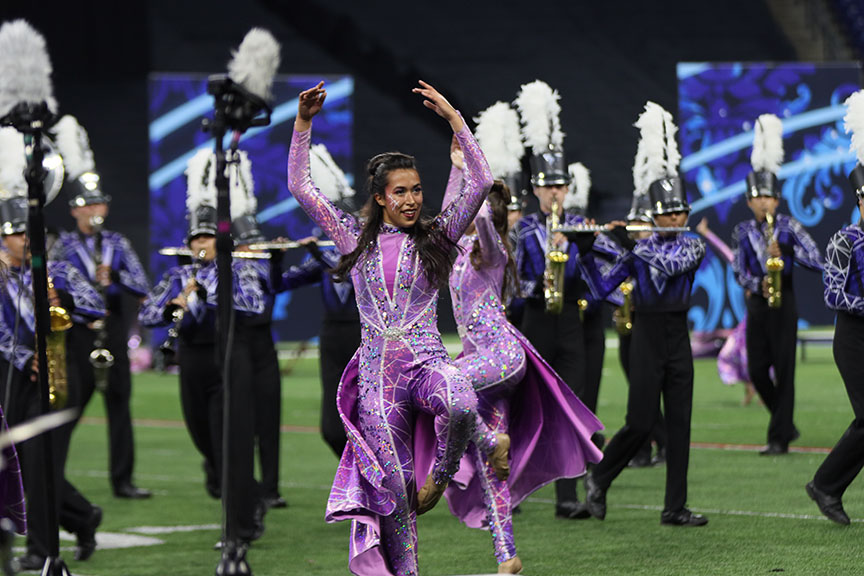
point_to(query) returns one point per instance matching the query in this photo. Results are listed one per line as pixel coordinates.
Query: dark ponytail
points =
(436, 250)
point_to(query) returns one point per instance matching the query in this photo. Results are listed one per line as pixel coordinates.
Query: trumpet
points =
(774, 267)
(592, 228)
(183, 251)
(556, 260)
(55, 354)
(169, 346)
(286, 245)
(100, 357)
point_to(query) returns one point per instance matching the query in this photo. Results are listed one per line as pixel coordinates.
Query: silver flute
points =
(287, 245)
(592, 228)
(183, 251)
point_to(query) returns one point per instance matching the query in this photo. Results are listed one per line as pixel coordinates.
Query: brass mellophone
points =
(288, 245)
(592, 228)
(183, 251)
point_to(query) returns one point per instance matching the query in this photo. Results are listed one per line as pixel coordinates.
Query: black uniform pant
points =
(772, 335)
(594, 334)
(268, 406)
(117, 396)
(73, 509)
(661, 362)
(339, 340)
(658, 433)
(560, 340)
(846, 459)
(201, 399)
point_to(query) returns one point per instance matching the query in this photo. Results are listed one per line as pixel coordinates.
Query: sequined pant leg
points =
(387, 424)
(496, 494)
(443, 391)
(494, 371)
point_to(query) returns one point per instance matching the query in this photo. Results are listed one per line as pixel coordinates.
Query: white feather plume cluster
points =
(327, 175)
(854, 122)
(767, 144)
(201, 183)
(580, 187)
(657, 155)
(499, 136)
(73, 144)
(243, 200)
(539, 110)
(25, 68)
(13, 162)
(255, 62)
(201, 180)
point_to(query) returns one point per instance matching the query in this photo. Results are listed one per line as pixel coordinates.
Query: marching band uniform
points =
(844, 292)
(772, 332)
(127, 277)
(559, 338)
(400, 372)
(661, 360)
(17, 348)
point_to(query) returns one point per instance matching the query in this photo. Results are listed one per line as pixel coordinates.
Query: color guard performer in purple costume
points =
(772, 332)
(844, 292)
(401, 373)
(504, 367)
(664, 266)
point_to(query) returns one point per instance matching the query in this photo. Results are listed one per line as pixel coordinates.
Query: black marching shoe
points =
(830, 506)
(595, 498)
(131, 491)
(275, 501)
(571, 510)
(86, 537)
(30, 562)
(774, 449)
(683, 517)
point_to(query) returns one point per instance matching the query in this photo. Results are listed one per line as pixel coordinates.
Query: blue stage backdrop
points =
(178, 102)
(718, 105)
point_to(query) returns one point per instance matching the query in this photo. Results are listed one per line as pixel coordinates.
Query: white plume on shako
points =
(854, 123)
(73, 144)
(657, 155)
(13, 163)
(539, 110)
(327, 175)
(500, 139)
(767, 153)
(580, 187)
(255, 62)
(25, 68)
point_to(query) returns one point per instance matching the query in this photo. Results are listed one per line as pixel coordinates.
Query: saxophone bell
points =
(556, 260)
(55, 354)
(774, 266)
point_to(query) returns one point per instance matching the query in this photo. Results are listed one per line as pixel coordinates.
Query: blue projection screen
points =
(717, 107)
(177, 104)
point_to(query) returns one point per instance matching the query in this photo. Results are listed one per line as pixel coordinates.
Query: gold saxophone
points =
(623, 315)
(553, 275)
(774, 266)
(55, 354)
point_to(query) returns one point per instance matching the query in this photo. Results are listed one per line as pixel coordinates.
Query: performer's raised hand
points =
(435, 101)
(309, 104)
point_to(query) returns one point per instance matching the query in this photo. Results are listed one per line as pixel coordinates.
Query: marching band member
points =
(193, 288)
(772, 324)
(661, 361)
(844, 292)
(111, 265)
(557, 336)
(70, 290)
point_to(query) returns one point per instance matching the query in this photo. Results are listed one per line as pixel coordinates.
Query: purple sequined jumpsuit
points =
(492, 357)
(402, 369)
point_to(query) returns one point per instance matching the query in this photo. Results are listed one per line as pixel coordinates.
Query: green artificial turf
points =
(761, 521)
